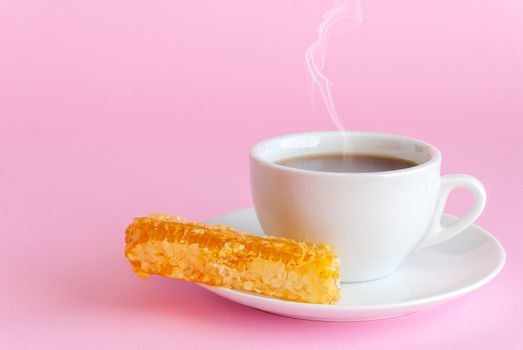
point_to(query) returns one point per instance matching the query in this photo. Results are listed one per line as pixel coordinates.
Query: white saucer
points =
(428, 277)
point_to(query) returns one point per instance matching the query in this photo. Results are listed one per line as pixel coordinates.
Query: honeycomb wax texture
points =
(218, 255)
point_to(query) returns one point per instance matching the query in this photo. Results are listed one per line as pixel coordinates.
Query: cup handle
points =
(437, 232)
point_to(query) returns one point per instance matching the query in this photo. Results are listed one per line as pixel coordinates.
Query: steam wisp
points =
(343, 12)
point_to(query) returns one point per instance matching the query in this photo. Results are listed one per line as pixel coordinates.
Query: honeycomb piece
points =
(218, 255)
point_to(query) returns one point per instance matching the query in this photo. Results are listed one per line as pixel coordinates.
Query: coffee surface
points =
(347, 163)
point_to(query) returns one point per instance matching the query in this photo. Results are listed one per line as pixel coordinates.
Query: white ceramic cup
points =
(373, 220)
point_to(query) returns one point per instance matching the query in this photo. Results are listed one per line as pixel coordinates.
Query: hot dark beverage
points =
(347, 163)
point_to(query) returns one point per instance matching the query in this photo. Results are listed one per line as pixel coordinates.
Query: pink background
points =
(115, 109)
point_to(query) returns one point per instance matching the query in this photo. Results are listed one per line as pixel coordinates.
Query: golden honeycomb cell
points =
(221, 256)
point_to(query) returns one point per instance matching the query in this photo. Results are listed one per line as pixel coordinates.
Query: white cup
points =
(373, 220)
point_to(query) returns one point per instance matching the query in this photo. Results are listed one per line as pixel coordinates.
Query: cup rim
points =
(435, 154)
